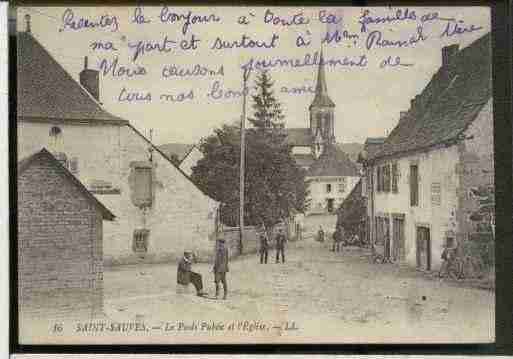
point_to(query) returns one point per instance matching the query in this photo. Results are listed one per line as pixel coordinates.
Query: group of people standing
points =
(280, 240)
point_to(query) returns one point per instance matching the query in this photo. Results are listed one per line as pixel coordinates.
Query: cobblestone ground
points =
(317, 296)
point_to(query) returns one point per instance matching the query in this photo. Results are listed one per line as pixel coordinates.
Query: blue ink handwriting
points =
(245, 42)
(376, 39)
(100, 45)
(104, 21)
(138, 16)
(298, 90)
(308, 60)
(167, 16)
(243, 20)
(327, 18)
(218, 93)
(338, 36)
(196, 70)
(296, 19)
(133, 96)
(390, 61)
(181, 97)
(453, 28)
(145, 46)
(112, 68)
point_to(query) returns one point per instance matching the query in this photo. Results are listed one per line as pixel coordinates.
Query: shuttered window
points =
(386, 178)
(143, 183)
(414, 185)
(395, 178)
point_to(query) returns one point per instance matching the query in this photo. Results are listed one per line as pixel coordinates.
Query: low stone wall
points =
(205, 253)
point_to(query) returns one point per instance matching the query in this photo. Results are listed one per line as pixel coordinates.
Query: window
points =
(386, 178)
(378, 180)
(341, 187)
(143, 186)
(55, 131)
(395, 178)
(140, 241)
(383, 178)
(328, 188)
(62, 158)
(414, 185)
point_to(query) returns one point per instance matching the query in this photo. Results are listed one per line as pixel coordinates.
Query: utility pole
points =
(245, 76)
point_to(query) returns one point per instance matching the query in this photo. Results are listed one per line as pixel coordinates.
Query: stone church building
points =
(330, 173)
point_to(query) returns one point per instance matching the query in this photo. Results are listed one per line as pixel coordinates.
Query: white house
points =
(420, 181)
(159, 210)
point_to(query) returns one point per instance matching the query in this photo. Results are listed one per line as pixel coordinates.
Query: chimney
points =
(448, 52)
(414, 103)
(27, 23)
(90, 80)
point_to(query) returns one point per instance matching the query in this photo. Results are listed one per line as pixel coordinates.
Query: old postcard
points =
(208, 175)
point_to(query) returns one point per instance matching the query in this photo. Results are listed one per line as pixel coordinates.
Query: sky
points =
(368, 97)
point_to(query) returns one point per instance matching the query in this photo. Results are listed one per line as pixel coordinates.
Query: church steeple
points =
(322, 112)
(321, 98)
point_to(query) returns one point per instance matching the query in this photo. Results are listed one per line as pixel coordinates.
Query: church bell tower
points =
(322, 113)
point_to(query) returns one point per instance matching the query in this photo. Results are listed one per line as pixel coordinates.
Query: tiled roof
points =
(373, 145)
(299, 136)
(321, 99)
(333, 162)
(47, 91)
(47, 156)
(180, 150)
(448, 104)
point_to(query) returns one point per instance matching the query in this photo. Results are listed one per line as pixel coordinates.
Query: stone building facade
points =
(60, 226)
(160, 211)
(419, 183)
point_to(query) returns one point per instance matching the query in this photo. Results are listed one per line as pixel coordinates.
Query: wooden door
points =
(423, 248)
(398, 240)
(386, 224)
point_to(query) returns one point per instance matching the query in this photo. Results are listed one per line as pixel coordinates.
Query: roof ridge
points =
(27, 161)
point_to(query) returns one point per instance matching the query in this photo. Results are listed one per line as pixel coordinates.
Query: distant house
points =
(159, 210)
(352, 213)
(330, 179)
(330, 173)
(60, 235)
(420, 180)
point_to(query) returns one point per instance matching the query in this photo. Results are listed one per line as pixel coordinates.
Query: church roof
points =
(448, 104)
(321, 98)
(299, 136)
(47, 91)
(333, 162)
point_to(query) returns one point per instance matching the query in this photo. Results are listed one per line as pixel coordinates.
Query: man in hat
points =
(185, 275)
(221, 267)
(280, 246)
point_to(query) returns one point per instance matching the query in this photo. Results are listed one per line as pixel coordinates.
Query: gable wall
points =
(181, 216)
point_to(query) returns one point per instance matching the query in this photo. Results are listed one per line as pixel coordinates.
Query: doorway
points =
(423, 248)
(330, 205)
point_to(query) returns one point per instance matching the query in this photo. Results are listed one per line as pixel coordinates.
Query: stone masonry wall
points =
(59, 245)
(181, 217)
